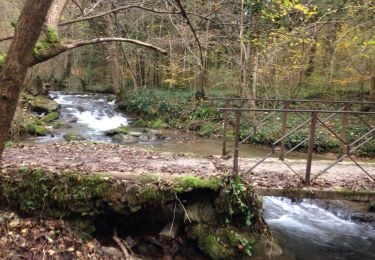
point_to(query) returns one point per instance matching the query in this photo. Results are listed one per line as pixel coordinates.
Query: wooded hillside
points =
(251, 48)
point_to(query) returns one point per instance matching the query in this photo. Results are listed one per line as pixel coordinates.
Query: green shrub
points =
(206, 130)
(143, 103)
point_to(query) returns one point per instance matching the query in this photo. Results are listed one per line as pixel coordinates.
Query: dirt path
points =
(121, 161)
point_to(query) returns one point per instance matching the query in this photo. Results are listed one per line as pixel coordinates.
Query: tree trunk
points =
(55, 13)
(373, 88)
(18, 59)
(113, 52)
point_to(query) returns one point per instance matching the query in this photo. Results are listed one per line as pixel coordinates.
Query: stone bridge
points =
(344, 181)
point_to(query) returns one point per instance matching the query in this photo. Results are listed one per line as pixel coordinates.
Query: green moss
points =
(159, 123)
(43, 104)
(241, 240)
(50, 117)
(119, 130)
(34, 191)
(49, 41)
(58, 124)
(141, 122)
(73, 137)
(2, 60)
(222, 242)
(153, 195)
(38, 130)
(208, 242)
(197, 182)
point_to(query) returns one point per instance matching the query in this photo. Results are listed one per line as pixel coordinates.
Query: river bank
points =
(158, 140)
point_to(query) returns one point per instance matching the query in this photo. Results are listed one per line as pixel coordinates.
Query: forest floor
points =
(41, 238)
(123, 162)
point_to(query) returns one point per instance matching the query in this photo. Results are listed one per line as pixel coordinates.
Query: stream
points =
(304, 229)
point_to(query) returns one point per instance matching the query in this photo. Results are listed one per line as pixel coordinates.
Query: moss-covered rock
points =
(124, 139)
(119, 130)
(224, 242)
(201, 211)
(73, 137)
(43, 104)
(50, 117)
(209, 242)
(59, 124)
(35, 129)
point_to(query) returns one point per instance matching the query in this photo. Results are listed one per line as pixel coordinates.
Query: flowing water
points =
(305, 230)
(310, 232)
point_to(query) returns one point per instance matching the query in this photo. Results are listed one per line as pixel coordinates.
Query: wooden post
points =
(225, 128)
(283, 130)
(310, 150)
(344, 124)
(236, 144)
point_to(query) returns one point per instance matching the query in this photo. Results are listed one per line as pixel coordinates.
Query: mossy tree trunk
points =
(18, 59)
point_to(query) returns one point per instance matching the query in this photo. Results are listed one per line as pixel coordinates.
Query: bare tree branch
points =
(184, 14)
(69, 46)
(122, 8)
(6, 38)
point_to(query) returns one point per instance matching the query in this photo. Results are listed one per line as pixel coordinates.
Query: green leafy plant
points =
(238, 203)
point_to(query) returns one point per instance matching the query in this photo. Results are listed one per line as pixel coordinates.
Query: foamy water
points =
(311, 232)
(90, 110)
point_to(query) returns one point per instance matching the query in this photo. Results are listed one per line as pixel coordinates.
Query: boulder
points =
(201, 212)
(50, 117)
(43, 104)
(38, 130)
(73, 137)
(119, 130)
(124, 139)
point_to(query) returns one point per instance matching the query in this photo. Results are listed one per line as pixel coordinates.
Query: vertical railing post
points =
(283, 130)
(310, 150)
(344, 124)
(226, 105)
(236, 143)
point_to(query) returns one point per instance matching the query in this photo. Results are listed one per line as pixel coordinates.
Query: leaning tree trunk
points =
(373, 88)
(17, 62)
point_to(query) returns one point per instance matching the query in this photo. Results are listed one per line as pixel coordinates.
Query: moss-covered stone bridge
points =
(344, 181)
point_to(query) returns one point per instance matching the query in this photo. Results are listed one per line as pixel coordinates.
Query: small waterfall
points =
(89, 114)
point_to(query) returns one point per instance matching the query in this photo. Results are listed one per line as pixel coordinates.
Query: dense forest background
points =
(295, 49)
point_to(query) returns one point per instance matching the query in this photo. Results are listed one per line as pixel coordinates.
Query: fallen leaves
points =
(36, 238)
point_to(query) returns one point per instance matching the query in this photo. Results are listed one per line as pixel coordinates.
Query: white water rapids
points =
(94, 111)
